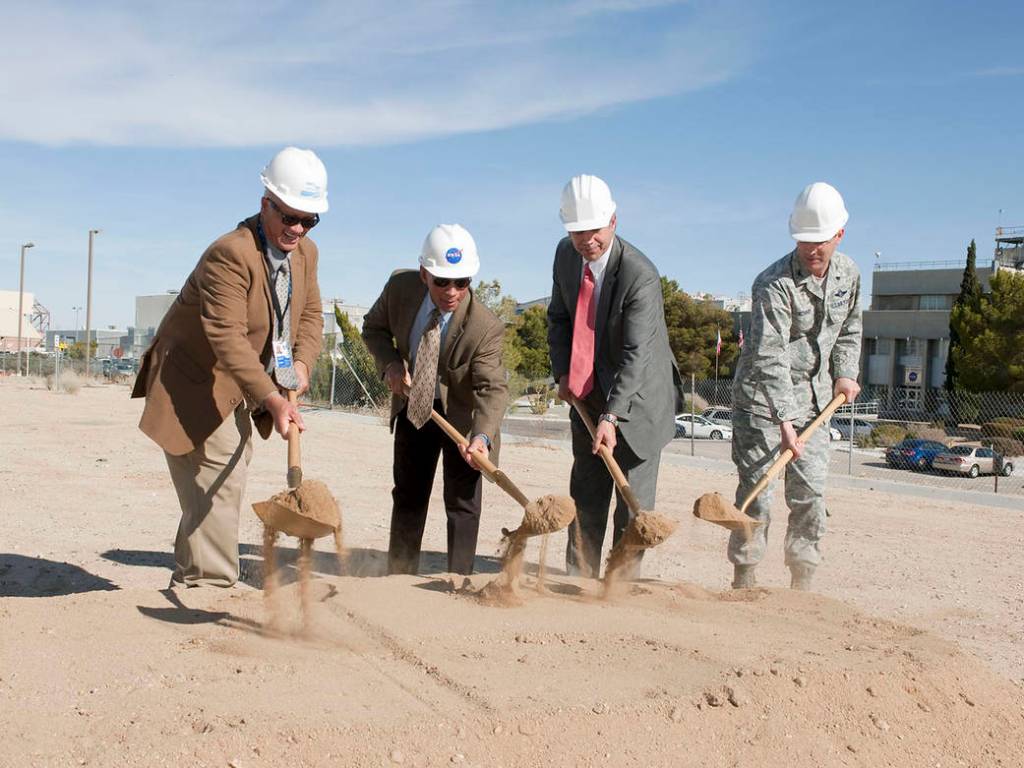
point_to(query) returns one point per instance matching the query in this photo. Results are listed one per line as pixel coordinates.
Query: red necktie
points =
(581, 364)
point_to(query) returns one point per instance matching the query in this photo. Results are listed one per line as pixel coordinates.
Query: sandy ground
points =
(909, 654)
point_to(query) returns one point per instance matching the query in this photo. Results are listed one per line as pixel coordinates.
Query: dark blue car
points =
(914, 453)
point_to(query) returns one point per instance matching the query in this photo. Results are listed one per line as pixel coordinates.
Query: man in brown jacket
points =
(429, 322)
(246, 325)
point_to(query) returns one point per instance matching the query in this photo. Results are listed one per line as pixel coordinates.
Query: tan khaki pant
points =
(210, 482)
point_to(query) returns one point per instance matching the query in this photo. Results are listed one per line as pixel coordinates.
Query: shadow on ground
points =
(22, 576)
(359, 562)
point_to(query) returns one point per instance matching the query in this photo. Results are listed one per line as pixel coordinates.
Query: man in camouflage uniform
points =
(803, 348)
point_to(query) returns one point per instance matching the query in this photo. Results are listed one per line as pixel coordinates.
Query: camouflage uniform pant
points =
(755, 446)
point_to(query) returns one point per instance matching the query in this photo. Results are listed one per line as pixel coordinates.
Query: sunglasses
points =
(307, 222)
(444, 282)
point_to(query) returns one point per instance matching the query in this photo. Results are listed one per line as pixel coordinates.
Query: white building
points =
(30, 336)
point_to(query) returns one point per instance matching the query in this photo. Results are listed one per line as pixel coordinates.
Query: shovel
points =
(307, 510)
(715, 509)
(645, 529)
(545, 515)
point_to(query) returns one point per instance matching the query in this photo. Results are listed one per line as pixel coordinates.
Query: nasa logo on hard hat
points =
(453, 255)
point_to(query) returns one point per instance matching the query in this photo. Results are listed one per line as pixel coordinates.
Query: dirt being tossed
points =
(307, 512)
(713, 508)
(546, 515)
(646, 530)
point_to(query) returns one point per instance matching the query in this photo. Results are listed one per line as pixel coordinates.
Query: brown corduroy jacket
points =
(472, 376)
(212, 348)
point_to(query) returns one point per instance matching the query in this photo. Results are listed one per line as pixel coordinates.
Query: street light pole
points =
(76, 310)
(88, 304)
(21, 302)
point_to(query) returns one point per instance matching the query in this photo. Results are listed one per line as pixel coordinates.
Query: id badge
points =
(282, 354)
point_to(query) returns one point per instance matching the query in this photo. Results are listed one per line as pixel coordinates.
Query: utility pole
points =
(21, 302)
(88, 304)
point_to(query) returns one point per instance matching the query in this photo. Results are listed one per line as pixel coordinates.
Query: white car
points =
(701, 427)
(719, 415)
(834, 434)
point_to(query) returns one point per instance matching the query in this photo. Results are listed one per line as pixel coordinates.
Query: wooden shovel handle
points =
(492, 473)
(609, 461)
(294, 451)
(786, 456)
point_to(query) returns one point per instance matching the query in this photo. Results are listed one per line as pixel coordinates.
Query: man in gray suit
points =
(610, 350)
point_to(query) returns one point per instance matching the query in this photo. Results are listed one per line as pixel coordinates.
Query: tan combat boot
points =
(802, 576)
(744, 577)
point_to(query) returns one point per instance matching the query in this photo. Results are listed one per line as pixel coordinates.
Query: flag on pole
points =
(741, 338)
(718, 344)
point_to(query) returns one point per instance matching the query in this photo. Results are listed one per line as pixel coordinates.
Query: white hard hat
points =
(298, 179)
(818, 214)
(450, 251)
(586, 204)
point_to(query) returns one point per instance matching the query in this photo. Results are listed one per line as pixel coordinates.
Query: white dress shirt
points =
(597, 269)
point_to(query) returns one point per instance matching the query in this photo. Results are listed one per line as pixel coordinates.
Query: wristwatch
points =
(611, 418)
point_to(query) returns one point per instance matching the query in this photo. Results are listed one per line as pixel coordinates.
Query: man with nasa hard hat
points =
(245, 328)
(438, 348)
(609, 349)
(802, 350)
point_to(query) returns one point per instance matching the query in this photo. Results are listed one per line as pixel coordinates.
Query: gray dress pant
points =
(210, 482)
(591, 487)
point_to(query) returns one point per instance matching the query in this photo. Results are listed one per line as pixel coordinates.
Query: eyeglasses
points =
(307, 222)
(460, 282)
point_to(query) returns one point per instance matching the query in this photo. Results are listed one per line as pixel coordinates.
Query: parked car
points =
(701, 427)
(834, 434)
(914, 453)
(861, 427)
(718, 415)
(972, 460)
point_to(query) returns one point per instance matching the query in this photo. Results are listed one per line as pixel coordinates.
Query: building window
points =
(912, 348)
(935, 301)
(894, 302)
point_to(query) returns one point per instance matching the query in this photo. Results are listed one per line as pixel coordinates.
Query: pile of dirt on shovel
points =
(313, 500)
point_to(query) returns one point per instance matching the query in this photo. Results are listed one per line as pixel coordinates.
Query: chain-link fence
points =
(61, 371)
(956, 441)
(345, 378)
(963, 441)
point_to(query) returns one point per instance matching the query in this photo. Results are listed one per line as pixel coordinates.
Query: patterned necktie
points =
(581, 364)
(424, 376)
(282, 287)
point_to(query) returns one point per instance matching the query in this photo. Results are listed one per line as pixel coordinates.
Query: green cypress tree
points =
(969, 299)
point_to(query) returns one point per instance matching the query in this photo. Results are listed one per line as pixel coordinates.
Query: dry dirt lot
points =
(909, 654)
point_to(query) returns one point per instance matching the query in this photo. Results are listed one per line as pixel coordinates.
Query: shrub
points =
(929, 433)
(883, 436)
(699, 404)
(1006, 446)
(70, 382)
(1003, 426)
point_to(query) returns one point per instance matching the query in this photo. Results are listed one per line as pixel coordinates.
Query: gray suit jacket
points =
(633, 363)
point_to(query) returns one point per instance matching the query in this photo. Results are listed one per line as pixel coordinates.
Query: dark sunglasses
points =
(444, 282)
(307, 222)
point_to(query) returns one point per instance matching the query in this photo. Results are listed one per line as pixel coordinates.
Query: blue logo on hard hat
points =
(453, 255)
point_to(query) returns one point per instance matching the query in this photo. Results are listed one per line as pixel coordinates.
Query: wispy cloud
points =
(1000, 72)
(358, 73)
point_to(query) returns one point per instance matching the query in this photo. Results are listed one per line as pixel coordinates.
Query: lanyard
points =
(275, 301)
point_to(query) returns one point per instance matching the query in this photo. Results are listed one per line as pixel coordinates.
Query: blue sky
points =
(152, 121)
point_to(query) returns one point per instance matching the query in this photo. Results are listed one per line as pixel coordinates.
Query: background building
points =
(30, 325)
(906, 328)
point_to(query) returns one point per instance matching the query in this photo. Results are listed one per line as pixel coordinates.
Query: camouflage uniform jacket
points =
(803, 335)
